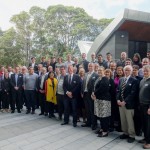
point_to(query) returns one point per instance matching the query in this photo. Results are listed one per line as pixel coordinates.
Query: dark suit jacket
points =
(6, 85)
(85, 64)
(130, 92)
(90, 85)
(39, 83)
(19, 81)
(44, 64)
(35, 66)
(73, 87)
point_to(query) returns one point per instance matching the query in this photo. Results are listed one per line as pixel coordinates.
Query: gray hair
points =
(146, 67)
(128, 66)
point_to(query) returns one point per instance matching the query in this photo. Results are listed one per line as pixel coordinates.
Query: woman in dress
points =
(102, 103)
(50, 91)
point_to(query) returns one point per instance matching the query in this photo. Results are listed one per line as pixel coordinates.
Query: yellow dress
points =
(50, 90)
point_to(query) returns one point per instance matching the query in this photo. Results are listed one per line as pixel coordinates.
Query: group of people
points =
(112, 93)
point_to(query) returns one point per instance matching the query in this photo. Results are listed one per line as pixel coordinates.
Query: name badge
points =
(130, 84)
(146, 84)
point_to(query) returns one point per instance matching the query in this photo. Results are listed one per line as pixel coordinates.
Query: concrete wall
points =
(121, 43)
(108, 47)
(116, 44)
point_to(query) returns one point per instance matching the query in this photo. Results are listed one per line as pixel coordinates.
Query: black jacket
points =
(85, 64)
(102, 89)
(73, 87)
(6, 85)
(91, 82)
(35, 66)
(130, 92)
(19, 82)
(39, 83)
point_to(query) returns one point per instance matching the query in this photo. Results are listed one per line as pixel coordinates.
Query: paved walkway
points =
(34, 132)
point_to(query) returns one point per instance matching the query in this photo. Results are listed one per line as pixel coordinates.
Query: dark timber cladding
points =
(129, 32)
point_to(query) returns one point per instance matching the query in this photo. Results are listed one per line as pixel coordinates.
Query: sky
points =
(96, 8)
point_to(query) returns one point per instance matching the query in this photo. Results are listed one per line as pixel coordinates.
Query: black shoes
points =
(74, 125)
(33, 112)
(12, 111)
(124, 136)
(131, 140)
(64, 123)
(85, 125)
(28, 112)
(143, 141)
(19, 111)
(41, 114)
(94, 127)
(102, 134)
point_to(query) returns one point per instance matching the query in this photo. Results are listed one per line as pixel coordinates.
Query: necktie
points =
(123, 88)
(69, 79)
(16, 76)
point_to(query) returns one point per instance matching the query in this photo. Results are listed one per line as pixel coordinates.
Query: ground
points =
(34, 132)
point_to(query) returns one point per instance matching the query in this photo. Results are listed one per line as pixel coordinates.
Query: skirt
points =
(102, 108)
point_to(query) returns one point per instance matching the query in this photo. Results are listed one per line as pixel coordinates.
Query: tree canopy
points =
(50, 32)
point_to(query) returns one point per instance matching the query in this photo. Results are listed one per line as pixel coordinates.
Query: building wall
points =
(121, 43)
(117, 43)
(108, 47)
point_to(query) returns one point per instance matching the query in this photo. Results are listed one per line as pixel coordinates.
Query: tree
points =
(23, 29)
(104, 22)
(10, 53)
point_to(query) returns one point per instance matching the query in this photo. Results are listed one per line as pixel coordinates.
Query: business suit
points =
(85, 64)
(127, 111)
(71, 87)
(41, 96)
(16, 94)
(44, 64)
(89, 103)
(35, 66)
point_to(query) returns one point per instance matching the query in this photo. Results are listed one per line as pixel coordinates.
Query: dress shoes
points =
(131, 140)
(102, 134)
(12, 111)
(143, 141)
(146, 146)
(33, 112)
(85, 125)
(64, 123)
(28, 111)
(74, 125)
(46, 114)
(98, 132)
(41, 114)
(124, 136)
(94, 127)
(19, 111)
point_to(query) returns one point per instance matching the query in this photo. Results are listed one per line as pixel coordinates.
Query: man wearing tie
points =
(70, 86)
(126, 99)
(16, 82)
(87, 89)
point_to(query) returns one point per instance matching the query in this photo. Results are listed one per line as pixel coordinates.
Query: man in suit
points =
(113, 67)
(84, 62)
(108, 59)
(16, 82)
(70, 86)
(126, 99)
(33, 64)
(122, 60)
(87, 89)
(40, 88)
(43, 62)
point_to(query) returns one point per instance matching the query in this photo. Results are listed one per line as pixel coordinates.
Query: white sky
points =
(96, 8)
